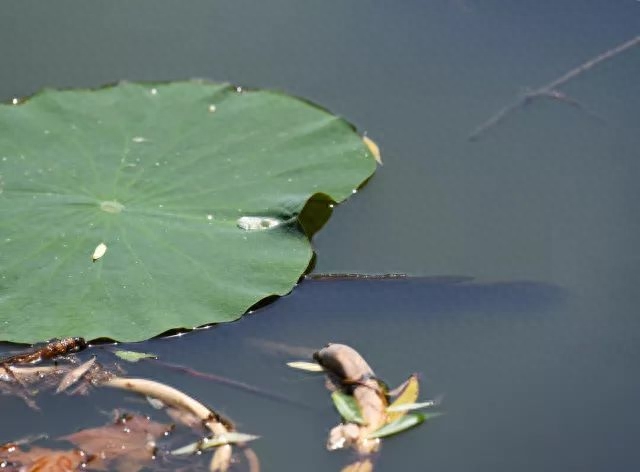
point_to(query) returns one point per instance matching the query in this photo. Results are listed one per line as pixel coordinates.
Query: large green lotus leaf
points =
(161, 175)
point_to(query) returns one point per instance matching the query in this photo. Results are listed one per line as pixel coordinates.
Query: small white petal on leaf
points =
(99, 251)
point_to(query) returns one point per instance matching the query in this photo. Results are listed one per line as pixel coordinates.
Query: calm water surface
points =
(537, 357)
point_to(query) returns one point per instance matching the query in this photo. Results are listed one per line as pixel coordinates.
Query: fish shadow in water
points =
(434, 295)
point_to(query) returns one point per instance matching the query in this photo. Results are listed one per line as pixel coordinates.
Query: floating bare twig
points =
(51, 350)
(347, 276)
(551, 89)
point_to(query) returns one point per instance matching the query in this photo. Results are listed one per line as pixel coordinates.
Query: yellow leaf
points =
(373, 147)
(408, 395)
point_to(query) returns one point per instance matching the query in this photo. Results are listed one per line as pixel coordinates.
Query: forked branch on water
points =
(550, 91)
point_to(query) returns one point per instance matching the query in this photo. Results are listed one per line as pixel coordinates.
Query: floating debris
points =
(49, 351)
(363, 403)
(74, 375)
(129, 443)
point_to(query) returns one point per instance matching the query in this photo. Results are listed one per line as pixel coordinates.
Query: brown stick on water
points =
(550, 90)
(51, 350)
(349, 276)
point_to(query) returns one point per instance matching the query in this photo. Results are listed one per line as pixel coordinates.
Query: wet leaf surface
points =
(136, 209)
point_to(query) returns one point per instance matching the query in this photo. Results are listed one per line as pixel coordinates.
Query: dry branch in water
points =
(550, 91)
(172, 397)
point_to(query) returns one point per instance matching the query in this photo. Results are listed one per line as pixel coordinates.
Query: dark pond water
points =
(538, 357)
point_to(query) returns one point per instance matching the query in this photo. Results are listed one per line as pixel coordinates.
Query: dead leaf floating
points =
(130, 442)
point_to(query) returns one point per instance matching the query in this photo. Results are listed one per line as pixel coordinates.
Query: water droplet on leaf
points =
(111, 206)
(257, 223)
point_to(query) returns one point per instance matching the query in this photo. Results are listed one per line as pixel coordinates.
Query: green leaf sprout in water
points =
(133, 356)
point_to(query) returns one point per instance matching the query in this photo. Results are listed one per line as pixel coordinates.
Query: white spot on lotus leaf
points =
(212, 108)
(111, 206)
(257, 223)
(154, 91)
(15, 101)
(139, 139)
(209, 217)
